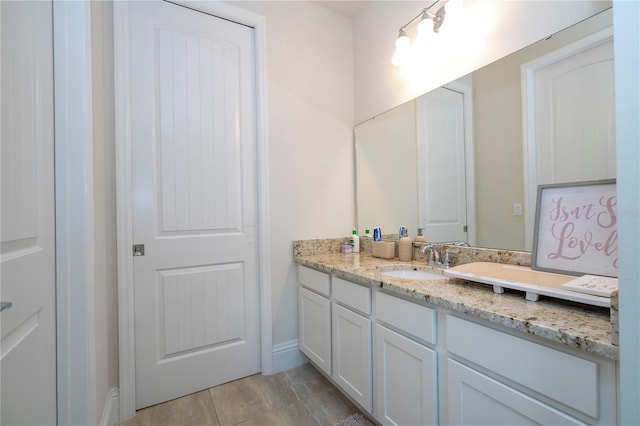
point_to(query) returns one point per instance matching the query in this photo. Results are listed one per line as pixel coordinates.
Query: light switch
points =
(517, 209)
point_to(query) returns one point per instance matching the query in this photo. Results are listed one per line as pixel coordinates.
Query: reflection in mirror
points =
(407, 171)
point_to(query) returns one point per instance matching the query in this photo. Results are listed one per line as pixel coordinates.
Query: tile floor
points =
(300, 396)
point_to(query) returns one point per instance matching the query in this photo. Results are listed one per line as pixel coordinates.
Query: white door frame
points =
(123, 189)
(75, 277)
(527, 75)
(464, 86)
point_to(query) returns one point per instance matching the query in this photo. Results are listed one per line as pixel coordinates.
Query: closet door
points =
(194, 200)
(28, 366)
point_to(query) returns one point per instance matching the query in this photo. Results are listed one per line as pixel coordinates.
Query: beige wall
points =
(497, 117)
(514, 24)
(310, 132)
(106, 285)
(387, 171)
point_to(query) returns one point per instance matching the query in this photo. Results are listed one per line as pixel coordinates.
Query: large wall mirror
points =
(463, 161)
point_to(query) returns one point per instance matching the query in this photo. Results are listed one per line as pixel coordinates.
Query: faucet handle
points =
(447, 258)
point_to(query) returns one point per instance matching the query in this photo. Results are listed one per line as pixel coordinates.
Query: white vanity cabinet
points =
(405, 379)
(351, 340)
(497, 378)
(314, 316)
(412, 364)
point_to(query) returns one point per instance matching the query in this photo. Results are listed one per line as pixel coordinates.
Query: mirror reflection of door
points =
(569, 117)
(442, 192)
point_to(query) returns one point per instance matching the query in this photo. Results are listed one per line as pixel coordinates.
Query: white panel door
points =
(569, 119)
(442, 193)
(28, 346)
(351, 348)
(575, 119)
(405, 380)
(475, 399)
(194, 201)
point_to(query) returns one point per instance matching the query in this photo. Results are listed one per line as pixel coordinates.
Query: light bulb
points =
(402, 42)
(403, 45)
(426, 25)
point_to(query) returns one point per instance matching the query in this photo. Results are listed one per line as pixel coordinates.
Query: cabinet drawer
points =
(565, 378)
(314, 280)
(410, 318)
(353, 295)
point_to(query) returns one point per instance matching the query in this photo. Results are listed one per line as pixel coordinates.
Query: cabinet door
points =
(405, 380)
(352, 354)
(314, 328)
(475, 399)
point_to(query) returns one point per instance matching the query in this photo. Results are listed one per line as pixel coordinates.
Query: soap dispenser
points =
(405, 246)
(355, 241)
(420, 237)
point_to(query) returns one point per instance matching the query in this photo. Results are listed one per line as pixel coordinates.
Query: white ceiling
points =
(346, 8)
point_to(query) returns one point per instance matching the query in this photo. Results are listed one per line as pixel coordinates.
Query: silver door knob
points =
(5, 305)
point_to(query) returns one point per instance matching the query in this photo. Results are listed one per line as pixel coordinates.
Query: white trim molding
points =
(527, 75)
(75, 282)
(287, 355)
(123, 189)
(110, 413)
(126, 357)
(465, 87)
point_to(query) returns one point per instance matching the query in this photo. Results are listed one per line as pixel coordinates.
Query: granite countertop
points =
(572, 324)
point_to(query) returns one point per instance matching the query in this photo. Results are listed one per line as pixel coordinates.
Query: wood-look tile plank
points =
(330, 406)
(300, 396)
(252, 396)
(192, 410)
(305, 381)
(295, 414)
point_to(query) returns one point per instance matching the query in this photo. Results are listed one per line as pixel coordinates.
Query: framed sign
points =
(576, 229)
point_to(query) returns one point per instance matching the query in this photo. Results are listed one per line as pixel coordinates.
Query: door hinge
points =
(138, 249)
(464, 228)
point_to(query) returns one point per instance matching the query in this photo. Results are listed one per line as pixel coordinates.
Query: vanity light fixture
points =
(432, 17)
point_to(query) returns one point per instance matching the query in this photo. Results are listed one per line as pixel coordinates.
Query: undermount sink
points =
(411, 273)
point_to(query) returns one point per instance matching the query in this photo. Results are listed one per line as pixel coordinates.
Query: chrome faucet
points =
(434, 255)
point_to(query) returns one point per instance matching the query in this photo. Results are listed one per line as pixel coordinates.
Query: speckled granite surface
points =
(575, 325)
(615, 319)
(459, 255)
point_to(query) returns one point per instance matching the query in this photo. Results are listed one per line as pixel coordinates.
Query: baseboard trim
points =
(287, 355)
(111, 411)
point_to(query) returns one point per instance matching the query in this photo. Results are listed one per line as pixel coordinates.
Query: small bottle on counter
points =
(346, 247)
(405, 246)
(355, 241)
(420, 238)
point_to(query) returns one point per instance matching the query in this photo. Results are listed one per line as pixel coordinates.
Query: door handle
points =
(5, 305)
